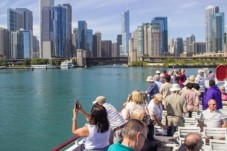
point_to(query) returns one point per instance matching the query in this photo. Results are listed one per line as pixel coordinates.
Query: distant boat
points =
(66, 64)
(43, 66)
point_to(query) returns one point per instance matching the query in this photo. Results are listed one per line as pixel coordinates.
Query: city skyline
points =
(184, 17)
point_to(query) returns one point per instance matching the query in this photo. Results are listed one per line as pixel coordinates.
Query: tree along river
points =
(36, 106)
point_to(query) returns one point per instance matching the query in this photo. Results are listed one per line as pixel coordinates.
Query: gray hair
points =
(133, 127)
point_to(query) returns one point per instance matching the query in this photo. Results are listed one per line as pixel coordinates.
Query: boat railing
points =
(74, 147)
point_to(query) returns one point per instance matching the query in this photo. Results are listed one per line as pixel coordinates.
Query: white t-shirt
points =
(132, 105)
(212, 119)
(95, 139)
(155, 109)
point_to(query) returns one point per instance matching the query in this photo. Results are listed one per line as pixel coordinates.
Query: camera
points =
(77, 104)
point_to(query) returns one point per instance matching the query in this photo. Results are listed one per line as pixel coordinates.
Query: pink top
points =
(224, 96)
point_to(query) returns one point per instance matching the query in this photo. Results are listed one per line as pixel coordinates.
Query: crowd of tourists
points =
(132, 128)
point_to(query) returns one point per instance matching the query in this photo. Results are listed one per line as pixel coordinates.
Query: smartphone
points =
(76, 104)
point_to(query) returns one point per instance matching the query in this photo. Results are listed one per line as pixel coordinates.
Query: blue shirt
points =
(152, 90)
(119, 147)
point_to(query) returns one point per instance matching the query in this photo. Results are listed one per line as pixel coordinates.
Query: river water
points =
(36, 106)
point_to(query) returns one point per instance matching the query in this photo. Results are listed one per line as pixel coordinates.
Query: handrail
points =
(65, 144)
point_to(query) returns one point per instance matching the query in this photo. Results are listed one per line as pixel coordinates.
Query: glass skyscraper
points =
(18, 21)
(125, 32)
(163, 24)
(214, 29)
(82, 35)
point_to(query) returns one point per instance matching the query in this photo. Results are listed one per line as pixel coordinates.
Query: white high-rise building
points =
(125, 32)
(42, 4)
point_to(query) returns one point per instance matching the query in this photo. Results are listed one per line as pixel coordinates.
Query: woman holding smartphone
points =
(96, 130)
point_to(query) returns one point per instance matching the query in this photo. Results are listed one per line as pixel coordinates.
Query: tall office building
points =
(125, 32)
(19, 21)
(119, 43)
(69, 52)
(25, 19)
(179, 46)
(214, 29)
(189, 44)
(74, 41)
(4, 43)
(163, 24)
(42, 4)
(90, 42)
(82, 35)
(58, 35)
(97, 38)
(56, 31)
(106, 48)
(138, 41)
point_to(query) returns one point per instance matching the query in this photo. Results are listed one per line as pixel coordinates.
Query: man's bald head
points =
(193, 142)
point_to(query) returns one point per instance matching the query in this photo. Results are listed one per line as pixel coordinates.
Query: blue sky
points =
(185, 17)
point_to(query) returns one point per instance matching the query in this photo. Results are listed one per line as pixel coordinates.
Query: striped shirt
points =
(114, 117)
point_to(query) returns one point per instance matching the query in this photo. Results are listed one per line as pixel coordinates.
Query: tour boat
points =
(42, 66)
(66, 64)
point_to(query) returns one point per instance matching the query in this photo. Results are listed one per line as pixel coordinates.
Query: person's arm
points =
(201, 122)
(158, 122)
(224, 125)
(75, 130)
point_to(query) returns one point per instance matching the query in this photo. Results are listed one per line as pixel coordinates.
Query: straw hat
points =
(157, 72)
(150, 79)
(99, 99)
(175, 87)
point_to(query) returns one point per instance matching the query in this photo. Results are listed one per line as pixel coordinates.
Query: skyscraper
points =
(163, 24)
(82, 35)
(97, 38)
(214, 29)
(125, 32)
(90, 42)
(20, 25)
(69, 52)
(42, 4)
(4, 43)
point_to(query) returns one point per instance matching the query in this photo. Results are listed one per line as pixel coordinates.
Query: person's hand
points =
(164, 127)
(75, 112)
(80, 108)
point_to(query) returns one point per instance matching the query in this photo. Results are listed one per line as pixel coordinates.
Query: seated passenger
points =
(211, 117)
(223, 93)
(134, 136)
(96, 130)
(142, 115)
(192, 142)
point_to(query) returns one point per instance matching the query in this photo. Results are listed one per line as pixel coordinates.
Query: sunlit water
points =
(36, 106)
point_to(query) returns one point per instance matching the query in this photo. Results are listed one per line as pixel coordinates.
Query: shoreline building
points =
(163, 24)
(214, 29)
(4, 43)
(125, 32)
(97, 38)
(189, 43)
(55, 28)
(82, 35)
(42, 4)
(20, 25)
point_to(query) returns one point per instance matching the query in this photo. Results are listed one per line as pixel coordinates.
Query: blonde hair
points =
(158, 97)
(192, 78)
(137, 97)
(138, 113)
